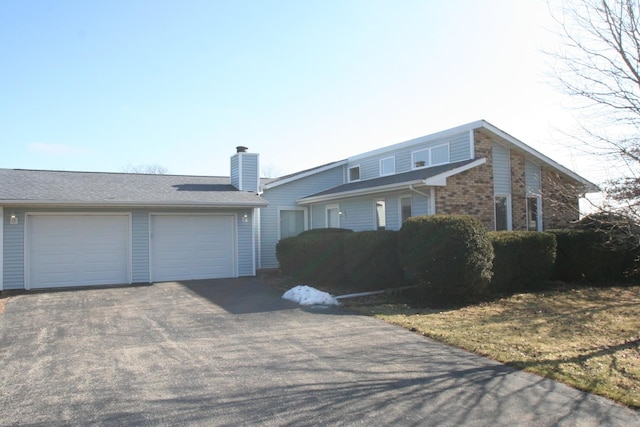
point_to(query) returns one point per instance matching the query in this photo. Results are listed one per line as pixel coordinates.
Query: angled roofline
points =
(420, 140)
(303, 174)
(589, 186)
(439, 180)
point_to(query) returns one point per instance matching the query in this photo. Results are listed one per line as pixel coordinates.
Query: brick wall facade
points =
(471, 192)
(518, 192)
(560, 203)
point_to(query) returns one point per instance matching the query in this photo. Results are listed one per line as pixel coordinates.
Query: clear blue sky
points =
(96, 85)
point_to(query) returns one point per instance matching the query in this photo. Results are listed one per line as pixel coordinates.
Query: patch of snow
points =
(306, 295)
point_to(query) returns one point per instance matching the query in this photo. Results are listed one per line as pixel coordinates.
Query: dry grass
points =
(585, 337)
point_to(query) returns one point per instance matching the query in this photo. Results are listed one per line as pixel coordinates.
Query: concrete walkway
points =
(231, 352)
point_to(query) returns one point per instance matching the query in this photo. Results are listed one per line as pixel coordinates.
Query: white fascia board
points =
(589, 186)
(304, 174)
(73, 203)
(421, 140)
(441, 179)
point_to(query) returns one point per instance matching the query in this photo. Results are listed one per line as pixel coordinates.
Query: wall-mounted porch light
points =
(13, 219)
(245, 217)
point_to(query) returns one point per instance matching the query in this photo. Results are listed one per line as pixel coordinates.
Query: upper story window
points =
(437, 155)
(354, 173)
(387, 166)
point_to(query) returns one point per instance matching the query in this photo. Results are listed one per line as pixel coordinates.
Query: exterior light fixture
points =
(13, 219)
(245, 217)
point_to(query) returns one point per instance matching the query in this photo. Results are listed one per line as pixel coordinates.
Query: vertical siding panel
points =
(419, 205)
(501, 170)
(140, 247)
(13, 251)
(245, 246)
(460, 147)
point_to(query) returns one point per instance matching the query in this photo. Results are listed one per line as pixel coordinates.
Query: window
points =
(405, 208)
(421, 159)
(430, 156)
(440, 154)
(333, 216)
(534, 220)
(354, 173)
(502, 212)
(388, 166)
(381, 214)
(291, 222)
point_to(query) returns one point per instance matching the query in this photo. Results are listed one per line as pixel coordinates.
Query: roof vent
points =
(241, 149)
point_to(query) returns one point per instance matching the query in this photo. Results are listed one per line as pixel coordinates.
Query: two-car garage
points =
(63, 249)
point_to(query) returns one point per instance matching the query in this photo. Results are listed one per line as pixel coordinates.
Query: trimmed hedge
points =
(313, 256)
(582, 255)
(449, 258)
(371, 260)
(524, 260)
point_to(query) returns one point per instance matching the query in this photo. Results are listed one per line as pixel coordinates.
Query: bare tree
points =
(598, 64)
(270, 171)
(154, 168)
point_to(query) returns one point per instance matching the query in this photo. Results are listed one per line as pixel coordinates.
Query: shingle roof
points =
(93, 188)
(384, 181)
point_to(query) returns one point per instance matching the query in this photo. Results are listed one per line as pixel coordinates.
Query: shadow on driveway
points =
(239, 296)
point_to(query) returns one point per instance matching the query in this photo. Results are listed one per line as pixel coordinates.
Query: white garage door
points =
(185, 247)
(77, 250)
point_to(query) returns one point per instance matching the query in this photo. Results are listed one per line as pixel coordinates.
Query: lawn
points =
(586, 337)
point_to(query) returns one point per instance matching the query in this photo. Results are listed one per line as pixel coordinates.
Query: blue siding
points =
(358, 214)
(459, 149)
(420, 205)
(140, 247)
(244, 171)
(13, 250)
(285, 195)
(501, 170)
(235, 171)
(245, 246)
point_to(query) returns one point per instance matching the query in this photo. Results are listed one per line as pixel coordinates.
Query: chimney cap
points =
(241, 149)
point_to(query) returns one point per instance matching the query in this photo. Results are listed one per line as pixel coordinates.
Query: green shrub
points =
(313, 257)
(448, 257)
(371, 260)
(524, 260)
(584, 255)
(325, 231)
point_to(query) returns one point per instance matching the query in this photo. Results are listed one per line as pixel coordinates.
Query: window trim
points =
(349, 173)
(509, 212)
(335, 206)
(292, 208)
(404, 196)
(375, 213)
(538, 198)
(393, 159)
(430, 149)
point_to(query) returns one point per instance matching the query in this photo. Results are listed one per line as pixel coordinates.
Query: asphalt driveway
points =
(231, 352)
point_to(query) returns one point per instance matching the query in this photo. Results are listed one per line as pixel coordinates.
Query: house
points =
(83, 228)
(474, 169)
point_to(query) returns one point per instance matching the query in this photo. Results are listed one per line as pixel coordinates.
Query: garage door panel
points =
(78, 250)
(186, 247)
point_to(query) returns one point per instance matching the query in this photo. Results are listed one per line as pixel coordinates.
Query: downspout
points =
(417, 191)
